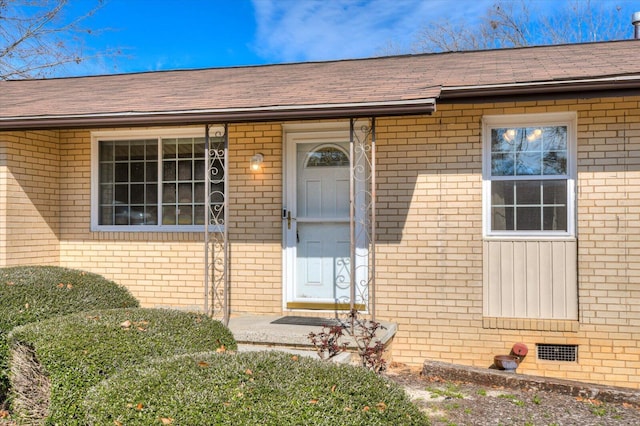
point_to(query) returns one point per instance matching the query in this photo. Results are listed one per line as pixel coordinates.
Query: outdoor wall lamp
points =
(255, 164)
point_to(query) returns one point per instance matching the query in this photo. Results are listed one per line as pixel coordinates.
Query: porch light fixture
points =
(255, 164)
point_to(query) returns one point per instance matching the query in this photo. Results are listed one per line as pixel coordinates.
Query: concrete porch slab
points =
(259, 330)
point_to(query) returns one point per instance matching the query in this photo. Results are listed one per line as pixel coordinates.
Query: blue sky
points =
(179, 34)
(161, 34)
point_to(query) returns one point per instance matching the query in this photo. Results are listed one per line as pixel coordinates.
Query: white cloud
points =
(307, 30)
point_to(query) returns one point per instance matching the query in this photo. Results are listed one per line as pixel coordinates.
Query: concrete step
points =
(257, 332)
(341, 358)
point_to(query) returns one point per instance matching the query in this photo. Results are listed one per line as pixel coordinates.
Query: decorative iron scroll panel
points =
(216, 282)
(362, 214)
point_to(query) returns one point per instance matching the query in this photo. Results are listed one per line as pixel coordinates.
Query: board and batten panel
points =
(530, 279)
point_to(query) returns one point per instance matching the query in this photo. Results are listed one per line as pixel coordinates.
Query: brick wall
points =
(255, 219)
(166, 269)
(429, 250)
(160, 269)
(5, 176)
(430, 261)
(609, 239)
(29, 194)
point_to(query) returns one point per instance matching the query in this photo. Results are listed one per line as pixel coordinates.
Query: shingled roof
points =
(407, 84)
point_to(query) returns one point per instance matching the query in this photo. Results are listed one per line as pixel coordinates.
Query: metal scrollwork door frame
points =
(216, 238)
(363, 213)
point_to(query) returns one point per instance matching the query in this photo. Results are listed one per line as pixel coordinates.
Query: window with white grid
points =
(147, 180)
(529, 175)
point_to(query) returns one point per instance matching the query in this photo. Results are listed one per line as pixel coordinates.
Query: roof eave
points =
(607, 84)
(235, 115)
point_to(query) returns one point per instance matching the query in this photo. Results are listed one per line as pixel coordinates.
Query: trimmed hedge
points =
(259, 388)
(34, 293)
(78, 351)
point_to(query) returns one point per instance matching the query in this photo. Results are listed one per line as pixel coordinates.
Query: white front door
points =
(317, 230)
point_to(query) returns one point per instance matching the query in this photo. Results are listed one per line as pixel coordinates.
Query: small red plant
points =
(327, 342)
(370, 350)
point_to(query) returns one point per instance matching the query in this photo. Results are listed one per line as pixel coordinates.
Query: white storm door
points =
(318, 234)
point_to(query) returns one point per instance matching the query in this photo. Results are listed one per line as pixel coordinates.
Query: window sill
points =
(156, 228)
(517, 237)
(571, 326)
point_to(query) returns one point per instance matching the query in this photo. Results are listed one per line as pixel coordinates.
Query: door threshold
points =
(325, 306)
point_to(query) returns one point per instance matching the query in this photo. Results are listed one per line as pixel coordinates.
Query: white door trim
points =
(293, 134)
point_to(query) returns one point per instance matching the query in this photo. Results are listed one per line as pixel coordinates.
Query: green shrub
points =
(34, 293)
(260, 388)
(77, 351)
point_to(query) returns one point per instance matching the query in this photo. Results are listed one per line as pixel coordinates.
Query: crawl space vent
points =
(567, 353)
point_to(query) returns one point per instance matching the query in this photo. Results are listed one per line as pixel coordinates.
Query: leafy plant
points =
(513, 399)
(266, 388)
(599, 411)
(369, 349)
(597, 407)
(56, 361)
(327, 341)
(34, 293)
(451, 391)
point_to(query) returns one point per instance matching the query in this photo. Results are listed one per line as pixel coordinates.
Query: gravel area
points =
(454, 403)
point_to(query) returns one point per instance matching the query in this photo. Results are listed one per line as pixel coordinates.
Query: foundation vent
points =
(567, 353)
